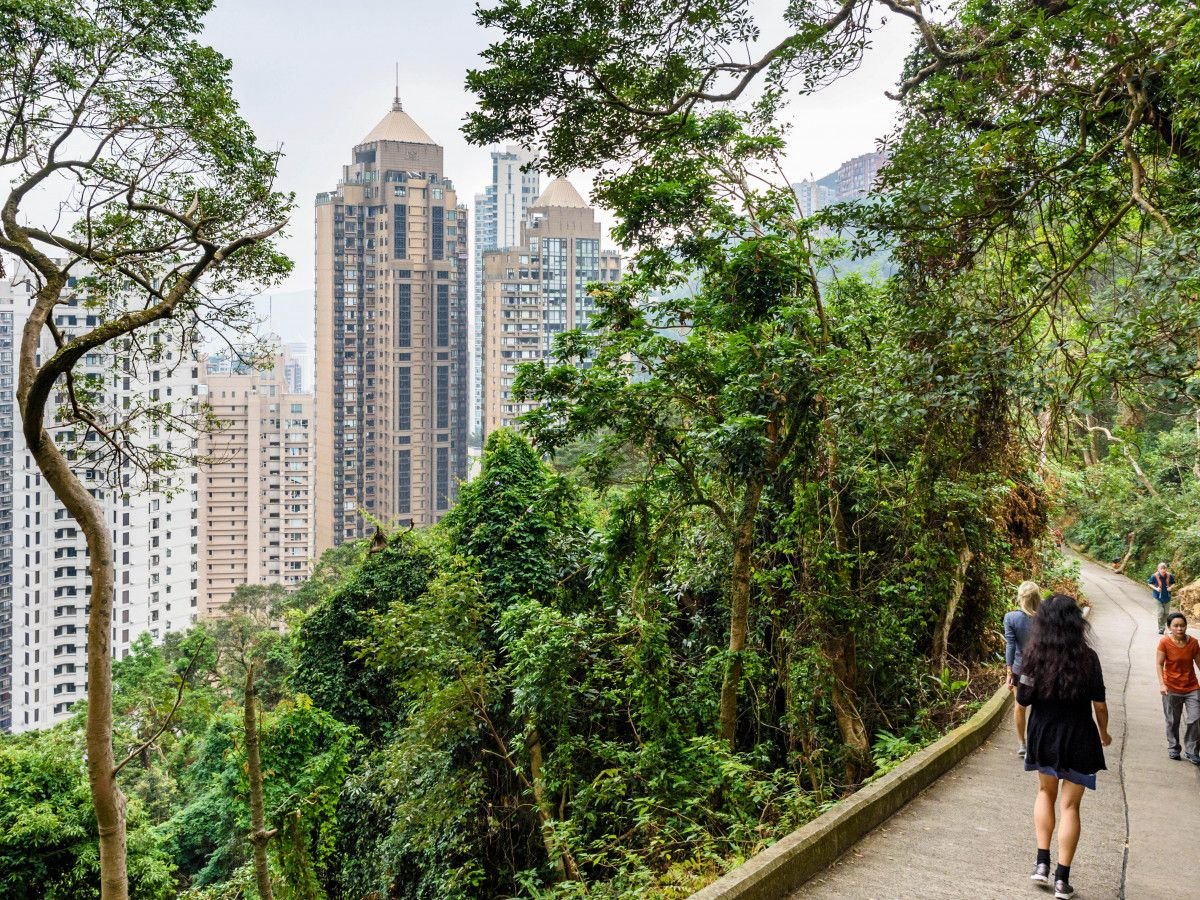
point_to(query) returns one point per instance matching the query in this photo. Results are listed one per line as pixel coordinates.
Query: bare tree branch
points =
(183, 682)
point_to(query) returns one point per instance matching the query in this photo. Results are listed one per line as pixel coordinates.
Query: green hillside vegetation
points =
(522, 699)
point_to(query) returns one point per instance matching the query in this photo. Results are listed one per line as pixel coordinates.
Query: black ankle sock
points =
(1062, 873)
(1043, 856)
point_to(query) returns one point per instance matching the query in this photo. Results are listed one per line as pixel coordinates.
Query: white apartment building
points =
(154, 526)
(10, 329)
(813, 196)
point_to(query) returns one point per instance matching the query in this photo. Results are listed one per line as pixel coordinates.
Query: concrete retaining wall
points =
(783, 867)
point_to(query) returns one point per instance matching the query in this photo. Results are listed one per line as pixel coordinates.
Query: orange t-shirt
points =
(1179, 672)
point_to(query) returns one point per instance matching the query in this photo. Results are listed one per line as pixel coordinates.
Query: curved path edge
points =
(799, 856)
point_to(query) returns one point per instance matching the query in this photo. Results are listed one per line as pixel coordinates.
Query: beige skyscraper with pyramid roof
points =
(392, 386)
(538, 290)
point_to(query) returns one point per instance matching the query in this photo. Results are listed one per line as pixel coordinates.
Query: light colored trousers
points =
(1164, 610)
(1173, 706)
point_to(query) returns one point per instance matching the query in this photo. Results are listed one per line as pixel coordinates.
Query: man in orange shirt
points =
(1177, 663)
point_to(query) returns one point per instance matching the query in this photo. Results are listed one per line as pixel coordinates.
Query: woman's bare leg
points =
(1019, 721)
(1068, 825)
(1043, 812)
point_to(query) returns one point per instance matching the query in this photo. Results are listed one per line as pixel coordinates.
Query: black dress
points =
(1061, 736)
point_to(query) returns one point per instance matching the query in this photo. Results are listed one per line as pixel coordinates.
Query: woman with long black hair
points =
(1063, 686)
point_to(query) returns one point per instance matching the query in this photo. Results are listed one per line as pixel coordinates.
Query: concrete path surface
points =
(971, 833)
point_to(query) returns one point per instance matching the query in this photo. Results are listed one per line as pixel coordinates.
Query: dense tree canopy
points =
(754, 542)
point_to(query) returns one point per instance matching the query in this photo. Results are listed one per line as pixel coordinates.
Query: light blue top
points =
(1018, 626)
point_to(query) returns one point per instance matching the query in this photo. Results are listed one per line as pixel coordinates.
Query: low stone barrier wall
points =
(784, 866)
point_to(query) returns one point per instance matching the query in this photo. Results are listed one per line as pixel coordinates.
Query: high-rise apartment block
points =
(154, 531)
(856, 177)
(256, 504)
(813, 196)
(537, 290)
(393, 389)
(14, 301)
(852, 180)
(499, 214)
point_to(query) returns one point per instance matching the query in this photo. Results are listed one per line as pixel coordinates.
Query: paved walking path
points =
(971, 833)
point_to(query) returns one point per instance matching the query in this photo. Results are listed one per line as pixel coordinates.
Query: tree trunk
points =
(1196, 464)
(841, 650)
(842, 655)
(560, 857)
(739, 611)
(1130, 540)
(1045, 421)
(1091, 448)
(258, 832)
(107, 799)
(941, 638)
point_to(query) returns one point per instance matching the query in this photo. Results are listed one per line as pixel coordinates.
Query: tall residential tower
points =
(256, 490)
(537, 290)
(392, 383)
(499, 214)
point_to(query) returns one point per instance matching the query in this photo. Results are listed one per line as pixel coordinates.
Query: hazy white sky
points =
(315, 76)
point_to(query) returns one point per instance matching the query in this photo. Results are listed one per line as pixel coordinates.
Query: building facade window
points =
(443, 315)
(404, 481)
(442, 417)
(443, 478)
(400, 231)
(403, 398)
(437, 233)
(404, 315)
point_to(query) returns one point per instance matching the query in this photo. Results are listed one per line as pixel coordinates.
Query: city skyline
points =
(436, 456)
(292, 312)
(311, 103)
(47, 701)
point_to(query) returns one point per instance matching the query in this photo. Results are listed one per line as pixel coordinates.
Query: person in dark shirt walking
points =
(1018, 625)
(1063, 687)
(1177, 653)
(1161, 583)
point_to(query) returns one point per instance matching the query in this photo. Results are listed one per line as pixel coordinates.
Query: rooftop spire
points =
(397, 106)
(397, 125)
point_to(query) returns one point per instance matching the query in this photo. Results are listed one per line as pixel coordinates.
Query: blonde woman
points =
(1018, 627)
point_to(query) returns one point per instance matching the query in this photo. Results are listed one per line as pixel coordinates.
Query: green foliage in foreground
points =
(551, 700)
(48, 829)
